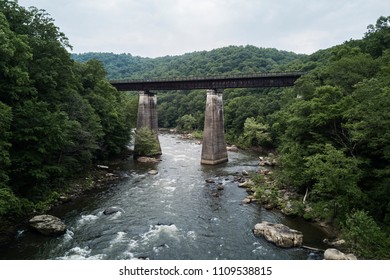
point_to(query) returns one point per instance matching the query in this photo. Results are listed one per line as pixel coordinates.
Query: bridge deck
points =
(282, 79)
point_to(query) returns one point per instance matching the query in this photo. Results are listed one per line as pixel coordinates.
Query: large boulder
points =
(334, 254)
(279, 234)
(48, 225)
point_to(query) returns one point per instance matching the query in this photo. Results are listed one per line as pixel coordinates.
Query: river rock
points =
(335, 243)
(334, 254)
(147, 160)
(153, 172)
(245, 184)
(279, 234)
(210, 181)
(112, 210)
(48, 225)
(232, 148)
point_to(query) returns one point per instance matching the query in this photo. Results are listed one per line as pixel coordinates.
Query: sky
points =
(154, 28)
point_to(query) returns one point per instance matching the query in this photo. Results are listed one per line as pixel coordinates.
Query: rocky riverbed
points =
(173, 214)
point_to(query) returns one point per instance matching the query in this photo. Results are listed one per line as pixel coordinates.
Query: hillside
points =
(228, 60)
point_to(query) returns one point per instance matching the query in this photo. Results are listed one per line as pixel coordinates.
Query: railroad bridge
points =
(214, 144)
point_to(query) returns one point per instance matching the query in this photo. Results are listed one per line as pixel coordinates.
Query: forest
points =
(57, 116)
(330, 132)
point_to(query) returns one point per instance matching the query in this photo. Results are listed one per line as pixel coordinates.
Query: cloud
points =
(168, 27)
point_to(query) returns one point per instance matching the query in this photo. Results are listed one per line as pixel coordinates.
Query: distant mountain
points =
(227, 60)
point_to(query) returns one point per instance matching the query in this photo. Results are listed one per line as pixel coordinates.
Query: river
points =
(172, 215)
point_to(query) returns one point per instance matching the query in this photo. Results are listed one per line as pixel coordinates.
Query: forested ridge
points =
(227, 60)
(58, 113)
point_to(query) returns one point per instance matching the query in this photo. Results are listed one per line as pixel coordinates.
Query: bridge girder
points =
(286, 79)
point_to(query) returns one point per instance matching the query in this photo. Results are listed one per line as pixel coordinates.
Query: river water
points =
(172, 215)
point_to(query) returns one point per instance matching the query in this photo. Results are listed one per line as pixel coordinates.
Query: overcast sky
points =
(152, 28)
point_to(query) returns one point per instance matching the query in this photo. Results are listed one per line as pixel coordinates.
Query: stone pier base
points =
(147, 115)
(214, 144)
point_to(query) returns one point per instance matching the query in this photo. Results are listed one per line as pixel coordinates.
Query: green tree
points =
(5, 135)
(39, 137)
(335, 181)
(186, 123)
(255, 134)
(15, 56)
(110, 107)
(369, 119)
(377, 37)
(364, 237)
(146, 143)
(348, 67)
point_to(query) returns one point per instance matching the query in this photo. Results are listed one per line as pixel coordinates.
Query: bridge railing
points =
(214, 77)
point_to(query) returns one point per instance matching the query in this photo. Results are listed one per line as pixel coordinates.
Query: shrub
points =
(146, 143)
(364, 237)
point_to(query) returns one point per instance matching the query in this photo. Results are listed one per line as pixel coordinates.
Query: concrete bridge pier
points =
(147, 115)
(214, 144)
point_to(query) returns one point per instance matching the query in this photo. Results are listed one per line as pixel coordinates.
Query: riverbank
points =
(99, 176)
(263, 188)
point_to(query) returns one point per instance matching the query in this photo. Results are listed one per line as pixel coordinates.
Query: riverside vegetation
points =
(329, 132)
(57, 116)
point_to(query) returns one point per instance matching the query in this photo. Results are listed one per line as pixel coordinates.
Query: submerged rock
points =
(279, 234)
(153, 172)
(48, 225)
(112, 210)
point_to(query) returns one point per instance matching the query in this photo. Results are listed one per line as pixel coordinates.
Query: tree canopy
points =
(56, 115)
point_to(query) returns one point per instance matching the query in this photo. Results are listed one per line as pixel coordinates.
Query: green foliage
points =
(9, 203)
(146, 143)
(292, 165)
(197, 134)
(349, 66)
(365, 238)
(192, 103)
(114, 120)
(186, 123)
(377, 38)
(335, 180)
(255, 134)
(15, 55)
(332, 130)
(56, 116)
(228, 60)
(39, 137)
(5, 135)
